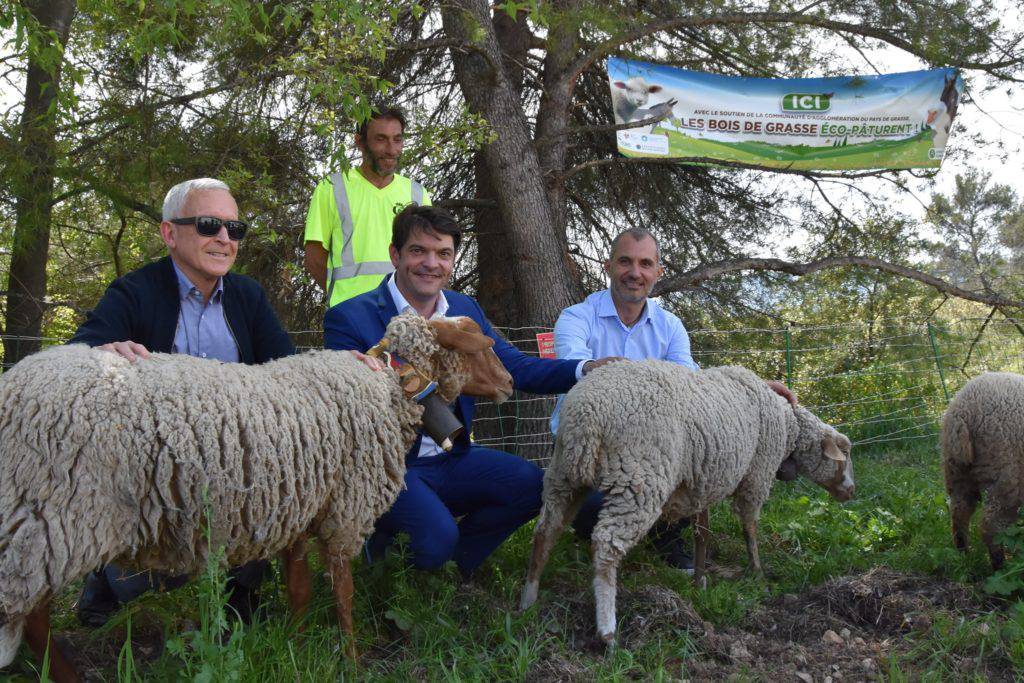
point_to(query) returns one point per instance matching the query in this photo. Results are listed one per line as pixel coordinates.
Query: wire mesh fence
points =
(883, 383)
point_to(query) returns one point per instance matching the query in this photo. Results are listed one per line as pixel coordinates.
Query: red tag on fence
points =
(546, 344)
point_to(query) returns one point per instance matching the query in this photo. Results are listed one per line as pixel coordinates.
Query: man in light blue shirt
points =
(622, 321)
(202, 330)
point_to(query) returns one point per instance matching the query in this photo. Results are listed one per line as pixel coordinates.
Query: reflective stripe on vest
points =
(349, 267)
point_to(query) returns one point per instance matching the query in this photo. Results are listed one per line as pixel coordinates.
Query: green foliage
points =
(1009, 580)
(206, 654)
(981, 229)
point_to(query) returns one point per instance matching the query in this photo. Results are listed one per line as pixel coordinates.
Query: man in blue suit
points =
(494, 493)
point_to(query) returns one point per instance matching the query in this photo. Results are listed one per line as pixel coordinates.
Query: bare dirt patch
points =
(846, 629)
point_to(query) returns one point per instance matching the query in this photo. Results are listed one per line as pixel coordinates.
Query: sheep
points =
(981, 436)
(661, 440)
(102, 459)
(628, 98)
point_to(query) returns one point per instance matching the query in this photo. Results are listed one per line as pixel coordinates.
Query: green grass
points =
(423, 626)
(907, 153)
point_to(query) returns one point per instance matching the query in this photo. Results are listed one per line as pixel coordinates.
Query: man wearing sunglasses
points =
(187, 302)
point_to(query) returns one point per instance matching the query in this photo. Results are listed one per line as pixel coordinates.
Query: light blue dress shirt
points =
(592, 329)
(202, 330)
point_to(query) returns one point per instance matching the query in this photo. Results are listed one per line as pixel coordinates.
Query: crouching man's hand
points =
(127, 349)
(592, 365)
(374, 364)
(783, 391)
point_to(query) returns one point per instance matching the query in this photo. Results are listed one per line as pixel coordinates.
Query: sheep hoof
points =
(608, 640)
(528, 598)
(701, 581)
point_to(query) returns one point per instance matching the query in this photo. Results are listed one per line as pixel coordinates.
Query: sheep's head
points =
(636, 90)
(452, 351)
(822, 454)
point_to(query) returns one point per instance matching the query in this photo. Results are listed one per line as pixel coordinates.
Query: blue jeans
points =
(493, 492)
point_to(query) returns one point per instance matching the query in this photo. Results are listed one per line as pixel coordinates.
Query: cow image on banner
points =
(890, 121)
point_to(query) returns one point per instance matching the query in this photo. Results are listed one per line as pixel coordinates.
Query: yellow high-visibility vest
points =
(351, 218)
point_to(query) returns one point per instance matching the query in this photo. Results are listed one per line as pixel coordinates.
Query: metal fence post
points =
(938, 360)
(789, 357)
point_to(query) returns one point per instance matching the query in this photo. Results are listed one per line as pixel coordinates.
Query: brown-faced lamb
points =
(982, 440)
(661, 440)
(103, 460)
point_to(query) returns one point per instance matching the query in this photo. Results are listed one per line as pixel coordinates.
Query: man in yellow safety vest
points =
(348, 227)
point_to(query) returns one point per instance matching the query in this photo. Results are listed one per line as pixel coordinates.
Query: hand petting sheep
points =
(661, 440)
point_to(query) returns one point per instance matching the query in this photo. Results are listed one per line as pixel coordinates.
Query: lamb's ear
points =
(654, 88)
(832, 452)
(619, 84)
(451, 336)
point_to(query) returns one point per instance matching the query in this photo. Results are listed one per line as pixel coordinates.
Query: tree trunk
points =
(33, 185)
(496, 291)
(540, 279)
(554, 117)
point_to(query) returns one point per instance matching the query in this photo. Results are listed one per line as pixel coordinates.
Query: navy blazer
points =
(143, 306)
(358, 323)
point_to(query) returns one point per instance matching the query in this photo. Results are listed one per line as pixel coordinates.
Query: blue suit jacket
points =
(358, 323)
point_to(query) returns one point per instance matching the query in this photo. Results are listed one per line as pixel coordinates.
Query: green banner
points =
(890, 121)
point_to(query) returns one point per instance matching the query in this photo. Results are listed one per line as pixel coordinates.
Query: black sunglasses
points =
(209, 226)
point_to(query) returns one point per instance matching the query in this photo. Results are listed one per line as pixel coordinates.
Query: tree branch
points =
(715, 162)
(467, 204)
(606, 47)
(977, 337)
(713, 270)
(554, 137)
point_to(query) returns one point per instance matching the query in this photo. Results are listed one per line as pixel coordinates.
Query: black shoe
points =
(97, 602)
(243, 601)
(667, 541)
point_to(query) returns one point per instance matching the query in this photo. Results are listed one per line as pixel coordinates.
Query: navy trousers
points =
(127, 585)
(493, 492)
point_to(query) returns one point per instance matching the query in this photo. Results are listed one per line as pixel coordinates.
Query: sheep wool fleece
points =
(102, 459)
(982, 440)
(664, 439)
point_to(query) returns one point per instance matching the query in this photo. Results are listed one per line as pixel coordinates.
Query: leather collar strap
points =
(415, 383)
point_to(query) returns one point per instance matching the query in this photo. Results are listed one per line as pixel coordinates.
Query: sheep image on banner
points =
(889, 121)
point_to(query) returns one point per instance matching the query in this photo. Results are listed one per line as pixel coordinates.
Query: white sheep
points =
(982, 433)
(106, 460)
(628, 98)
(662, 440)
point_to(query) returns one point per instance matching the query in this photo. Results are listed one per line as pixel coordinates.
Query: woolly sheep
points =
(102, 460)
(982, 433)
(662, 440)
(628, 96)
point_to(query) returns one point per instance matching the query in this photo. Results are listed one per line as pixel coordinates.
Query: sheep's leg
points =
(749, 512)
(341, 577)
(996, 518)
(701, 536)
(39, 639)
(606, 567)
(962, 505)
(625, 518)
(753, 556)
(556, 513)
(295, 563)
